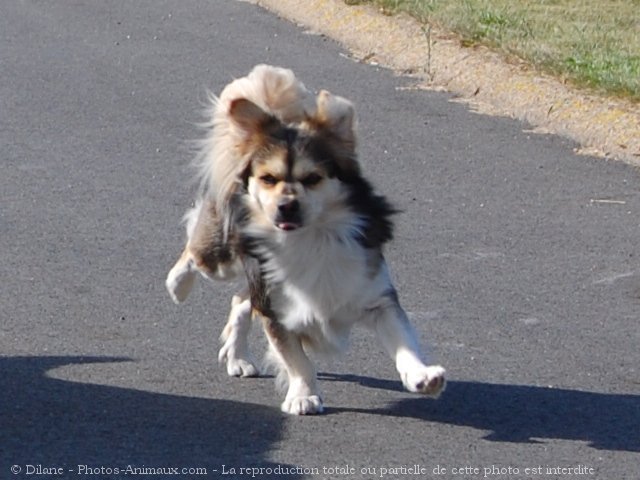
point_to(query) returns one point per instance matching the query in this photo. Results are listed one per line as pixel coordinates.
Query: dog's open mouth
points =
(288, 221)
(289, 215)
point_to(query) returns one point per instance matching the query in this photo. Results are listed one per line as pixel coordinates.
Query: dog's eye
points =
(268, 179)
(311, 180)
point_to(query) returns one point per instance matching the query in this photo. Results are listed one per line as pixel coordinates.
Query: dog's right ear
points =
(252, 122)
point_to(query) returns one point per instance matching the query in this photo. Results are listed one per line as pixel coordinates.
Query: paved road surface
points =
(518, 261)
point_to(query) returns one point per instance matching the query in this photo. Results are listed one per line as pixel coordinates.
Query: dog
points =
(283, 201)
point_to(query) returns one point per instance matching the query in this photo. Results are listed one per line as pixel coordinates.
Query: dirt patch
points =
(605, 127)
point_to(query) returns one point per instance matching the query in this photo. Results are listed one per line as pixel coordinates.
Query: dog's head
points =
(295, 174)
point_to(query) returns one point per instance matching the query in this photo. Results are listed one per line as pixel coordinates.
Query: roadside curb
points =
(603, 127)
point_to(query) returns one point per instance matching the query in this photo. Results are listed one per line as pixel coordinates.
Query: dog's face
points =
(294, 174)
(291, 188)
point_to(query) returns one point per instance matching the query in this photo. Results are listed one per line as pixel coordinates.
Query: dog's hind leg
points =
(399, 339)
(235, 348)
(302, 397)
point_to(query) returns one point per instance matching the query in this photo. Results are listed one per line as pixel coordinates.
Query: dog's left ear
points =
(337, 115)
(251, 120)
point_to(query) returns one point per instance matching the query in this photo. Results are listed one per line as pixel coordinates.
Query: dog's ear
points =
(335, 122)
(336, 115)
(251, 120)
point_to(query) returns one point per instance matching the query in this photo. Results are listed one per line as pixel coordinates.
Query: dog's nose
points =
(288, 207)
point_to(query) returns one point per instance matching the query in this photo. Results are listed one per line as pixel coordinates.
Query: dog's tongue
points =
(287, 227)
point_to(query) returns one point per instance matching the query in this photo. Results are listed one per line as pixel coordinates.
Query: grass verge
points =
(590, 43)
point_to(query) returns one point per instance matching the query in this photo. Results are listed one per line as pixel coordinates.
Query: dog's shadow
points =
(53, 422)
(520, 413)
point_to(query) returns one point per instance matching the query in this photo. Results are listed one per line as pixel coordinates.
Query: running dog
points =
(283, 199)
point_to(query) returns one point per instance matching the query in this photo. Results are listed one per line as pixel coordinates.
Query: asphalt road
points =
(517, 260)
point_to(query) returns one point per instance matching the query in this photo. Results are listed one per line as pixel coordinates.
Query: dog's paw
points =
(426, 380)
(302, 405)
(238, 365)
(180, 281)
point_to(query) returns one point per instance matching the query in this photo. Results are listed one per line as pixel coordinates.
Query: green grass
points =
(591, 43)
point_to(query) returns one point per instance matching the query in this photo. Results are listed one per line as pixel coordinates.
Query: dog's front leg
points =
(207, 251)
(399, 340)
(181, 277)
(302, 397)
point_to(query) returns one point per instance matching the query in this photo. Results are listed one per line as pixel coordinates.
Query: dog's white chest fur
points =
(323, 281)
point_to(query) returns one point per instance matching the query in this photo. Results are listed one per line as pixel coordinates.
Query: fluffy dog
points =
(283, 199)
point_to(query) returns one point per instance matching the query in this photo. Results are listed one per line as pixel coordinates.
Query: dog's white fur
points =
(322, 280)
(322, 304)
